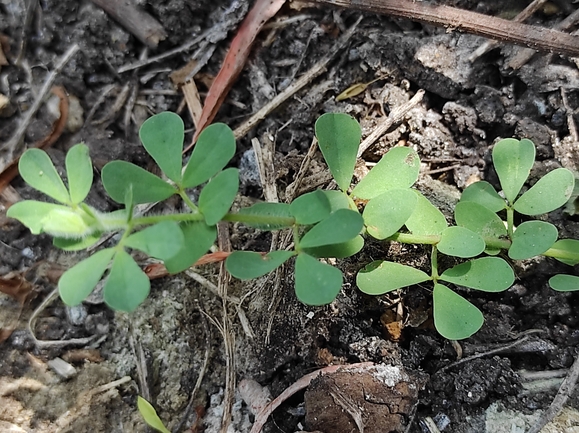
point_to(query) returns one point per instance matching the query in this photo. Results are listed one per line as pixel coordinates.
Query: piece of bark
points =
(538, 38)
(138, 22)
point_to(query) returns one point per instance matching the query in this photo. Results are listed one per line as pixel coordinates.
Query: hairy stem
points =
(434, 264)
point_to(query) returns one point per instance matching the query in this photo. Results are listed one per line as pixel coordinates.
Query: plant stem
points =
(188, 201)
(559, 254)
(510, 221)
(434, 264)
(409, 238)
(230, 217)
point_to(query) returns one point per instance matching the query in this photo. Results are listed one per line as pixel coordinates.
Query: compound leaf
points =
(549, 193)
(79, 172)
(268, 216)
(532, 238)
(385, 214)
(161, 241)
(246, 265)
(217, 196)
(426, 219)
(39, 172)
(564, 283)
(150, 416)
(316, 283)
(566, 251)
(80, 280)
(339, 227)
(126, 285)
(197, 239)
(489, 274)
(484, 194)
(120, 176)
(381, 277)
(310, 208)
(513, 160)
(455, 318)
(460, 242)
(214, 149)
(339, 138)
(398, 168)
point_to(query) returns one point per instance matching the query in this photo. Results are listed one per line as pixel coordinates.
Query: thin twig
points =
(538, 38)
(50, 343)
(11, 170)
(567, 388)
(396, 115)
(521, 17)
(18, 136)
(226, 331)
(525, 54)
(483, 354)
(315, 71)
(570, 120)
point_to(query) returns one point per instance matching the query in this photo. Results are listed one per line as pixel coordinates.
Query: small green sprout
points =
(150, 416)
(324, 224)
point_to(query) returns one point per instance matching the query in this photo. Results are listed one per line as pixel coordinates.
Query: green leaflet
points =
(218, 195)
(246, 265)
(316, 283)
(339, 138)
(79, 172)
(214, 149)
(513, 160)
(39, 172)
(381, 277)
(398, 168)
(79, 281)
(455, 318)
(120, 176)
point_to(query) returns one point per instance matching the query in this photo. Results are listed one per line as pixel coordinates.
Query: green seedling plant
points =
(324, 224)
(150, 416)
(320, 221)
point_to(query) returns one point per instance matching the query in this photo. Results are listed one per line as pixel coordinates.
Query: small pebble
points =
(76, 315)
(62, 368)
(28, 253)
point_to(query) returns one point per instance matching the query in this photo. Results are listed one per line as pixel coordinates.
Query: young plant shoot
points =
(324, 224)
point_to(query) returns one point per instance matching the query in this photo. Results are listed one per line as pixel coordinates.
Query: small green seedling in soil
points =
(150, 416)
(324, 224)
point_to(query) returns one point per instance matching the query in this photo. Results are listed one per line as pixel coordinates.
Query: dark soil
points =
(162, 346)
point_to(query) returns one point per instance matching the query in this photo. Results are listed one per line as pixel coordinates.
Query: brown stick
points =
(142, 25)
(538, 38)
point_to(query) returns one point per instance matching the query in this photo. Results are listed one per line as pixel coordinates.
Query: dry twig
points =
(525, 54)
(11, 170)
(138, 22)
(18, 136)
(520, 18)
(396, 115)
(318, 69)
(567, 388)
(538, 38)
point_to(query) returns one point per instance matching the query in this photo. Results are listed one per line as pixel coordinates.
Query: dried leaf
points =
(235, 60)
(16, 286)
